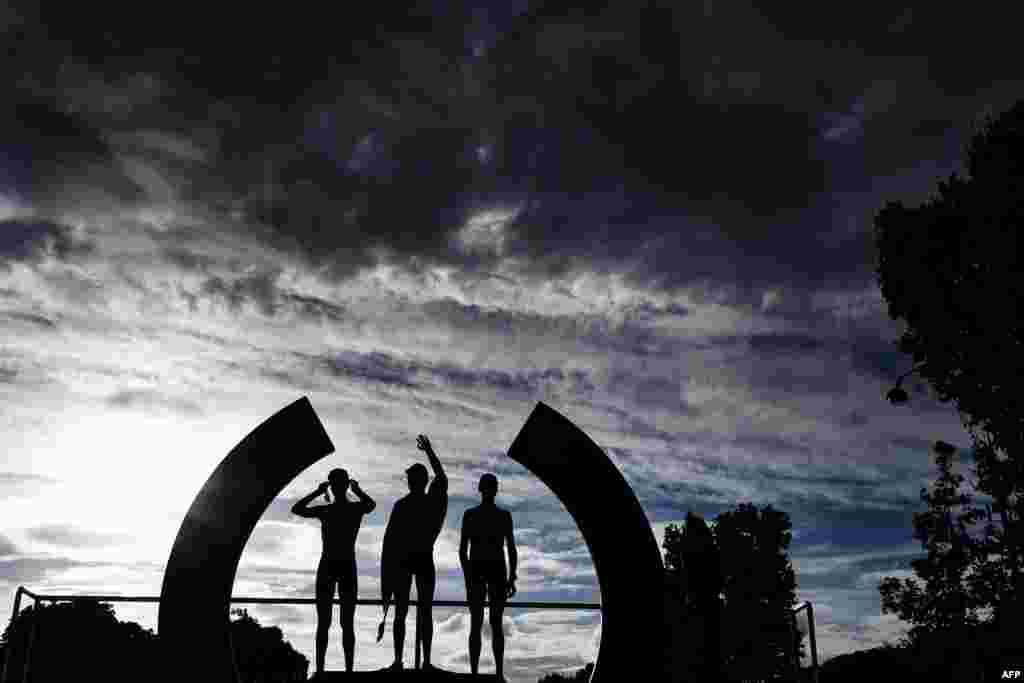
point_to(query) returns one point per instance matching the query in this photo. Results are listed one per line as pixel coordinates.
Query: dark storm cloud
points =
(261, 289)
(313, 308)
(692, 144)
(594, 332)
(783, 343)
(31, 240)
(152, 400)
(378, 367)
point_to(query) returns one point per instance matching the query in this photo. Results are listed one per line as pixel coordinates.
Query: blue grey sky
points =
(658, 222)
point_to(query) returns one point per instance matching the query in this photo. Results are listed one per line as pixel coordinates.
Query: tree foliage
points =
(961, 600)
(950, 269)
(84, 640)
(943, 596)
(752, 584)
(81, 640)
(262, 653)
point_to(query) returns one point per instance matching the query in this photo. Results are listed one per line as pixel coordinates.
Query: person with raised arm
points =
(408, 550)
(339, 525)
(486, 535)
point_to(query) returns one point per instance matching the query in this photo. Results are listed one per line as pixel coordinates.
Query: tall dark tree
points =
(759, 591)
(941, 598)
(693, 570)
(80, 640)
(743, 567)
(958, 601)
(950, 269)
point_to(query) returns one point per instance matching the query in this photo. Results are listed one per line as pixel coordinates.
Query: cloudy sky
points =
(658, 222)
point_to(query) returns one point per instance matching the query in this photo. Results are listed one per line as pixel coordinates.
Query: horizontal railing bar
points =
(312, 601)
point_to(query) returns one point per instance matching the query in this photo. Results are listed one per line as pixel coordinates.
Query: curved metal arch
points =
(193, 621)
(626, 557)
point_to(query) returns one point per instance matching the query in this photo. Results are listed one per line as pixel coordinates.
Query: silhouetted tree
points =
(693, 568)
(941, 598)
(81, 640)
(759, 587)
(950, 269)
(957, 600)
(755, 587)
(262, 653)
(84, 640)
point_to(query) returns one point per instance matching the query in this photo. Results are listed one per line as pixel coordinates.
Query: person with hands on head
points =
(339, 525)
(408, 550)
(486, 534)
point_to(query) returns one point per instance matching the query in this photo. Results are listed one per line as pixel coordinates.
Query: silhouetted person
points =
(339, 524)
(486, 533)
(413, 527)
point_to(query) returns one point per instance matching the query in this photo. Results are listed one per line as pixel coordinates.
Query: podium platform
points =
(403, 676)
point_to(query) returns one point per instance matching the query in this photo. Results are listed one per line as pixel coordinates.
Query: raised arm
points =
(301, 507)
(423, 443)
(368, 503)
(513, 556)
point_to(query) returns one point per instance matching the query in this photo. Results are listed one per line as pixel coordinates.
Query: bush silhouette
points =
(84, 640)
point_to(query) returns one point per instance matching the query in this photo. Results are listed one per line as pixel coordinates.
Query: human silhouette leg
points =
(476, 624)
(348, 613)
(425, 580)
(495, 583)
(498, 638)
(403, 582)
(324, 596)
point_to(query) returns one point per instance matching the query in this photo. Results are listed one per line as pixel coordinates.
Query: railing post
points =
(814, 645)
(794, 633)
(417, 633)
(31, 640)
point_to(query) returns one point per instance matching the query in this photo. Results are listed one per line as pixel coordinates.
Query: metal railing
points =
(38, 598)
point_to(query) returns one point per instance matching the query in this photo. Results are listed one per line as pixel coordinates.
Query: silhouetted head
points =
(488, 486)
(338, 479)
(417, 476)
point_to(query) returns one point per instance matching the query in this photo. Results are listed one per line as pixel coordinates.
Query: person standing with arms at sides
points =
(339, 524)
(414, 525)
(486, 533)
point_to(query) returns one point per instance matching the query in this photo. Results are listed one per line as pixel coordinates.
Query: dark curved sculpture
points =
(621, 543)
(193, 621)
